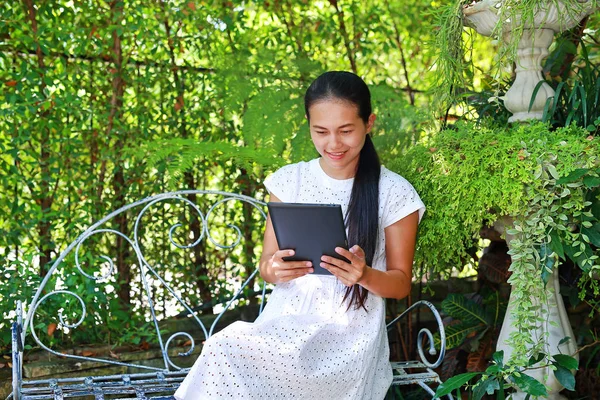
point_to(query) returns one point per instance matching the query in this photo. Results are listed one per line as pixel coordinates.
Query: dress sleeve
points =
(402, 200)
(283, 183)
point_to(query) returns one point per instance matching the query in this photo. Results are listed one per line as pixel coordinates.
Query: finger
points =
(355, 254)
(336, 262)
(291, 265)
(358, 251)
(349, 255)
(279, 254)
(285, 276)
(278, 258)
(339, 273)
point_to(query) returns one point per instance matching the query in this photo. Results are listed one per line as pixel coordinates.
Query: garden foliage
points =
(105, 103)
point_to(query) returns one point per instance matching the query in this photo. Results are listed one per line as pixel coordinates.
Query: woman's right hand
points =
(285, 271)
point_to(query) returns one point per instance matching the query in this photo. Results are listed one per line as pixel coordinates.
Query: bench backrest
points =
(205, 211)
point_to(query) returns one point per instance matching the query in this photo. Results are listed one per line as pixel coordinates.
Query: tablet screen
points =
(311, 230)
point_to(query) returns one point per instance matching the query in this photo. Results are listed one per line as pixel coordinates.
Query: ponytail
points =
(362, 218)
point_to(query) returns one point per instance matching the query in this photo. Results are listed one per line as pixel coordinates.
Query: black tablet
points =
(311, 230)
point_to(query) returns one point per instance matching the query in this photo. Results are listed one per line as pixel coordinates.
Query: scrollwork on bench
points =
(426, 332)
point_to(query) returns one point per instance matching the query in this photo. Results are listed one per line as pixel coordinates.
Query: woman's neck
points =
(342, 173)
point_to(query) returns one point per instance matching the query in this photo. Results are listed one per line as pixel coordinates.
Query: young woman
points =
(323, 336)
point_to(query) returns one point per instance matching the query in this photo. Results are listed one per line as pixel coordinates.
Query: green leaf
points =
(498, 357)
(573, 176)
(565, 377)
(592, 234)
(553, 172)
(577, 255)
(461, 308)
(489, 386)
(493, 369)
(534, 94)
(564, 340)
(454, 383)
(548, 262)
(535, 359)
(529, 385)
(566, 361)
(456, 334)
(556, 244)
(591, 181)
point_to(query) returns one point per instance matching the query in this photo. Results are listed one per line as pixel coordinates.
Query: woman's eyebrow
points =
(350, 124)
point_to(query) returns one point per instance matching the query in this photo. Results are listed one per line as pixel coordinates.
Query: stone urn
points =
(552, 16)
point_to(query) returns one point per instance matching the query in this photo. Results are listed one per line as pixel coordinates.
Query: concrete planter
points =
(551, 17)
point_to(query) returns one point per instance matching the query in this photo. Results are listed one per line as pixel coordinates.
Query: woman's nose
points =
(335, 141)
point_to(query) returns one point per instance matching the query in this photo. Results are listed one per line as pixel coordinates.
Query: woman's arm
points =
(395, 282)
(272, 267)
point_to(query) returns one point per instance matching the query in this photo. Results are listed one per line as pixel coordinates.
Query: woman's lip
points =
(336, 156)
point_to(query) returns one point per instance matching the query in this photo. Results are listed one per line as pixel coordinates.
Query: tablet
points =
(311, 230)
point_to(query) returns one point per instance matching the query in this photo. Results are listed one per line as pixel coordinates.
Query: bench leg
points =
(17, 353)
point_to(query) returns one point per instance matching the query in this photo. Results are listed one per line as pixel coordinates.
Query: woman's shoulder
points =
(292, 169)
(391, 180)
(398, 197)
(284, 183)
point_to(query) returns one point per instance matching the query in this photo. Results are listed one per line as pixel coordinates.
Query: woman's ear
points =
(371, 122)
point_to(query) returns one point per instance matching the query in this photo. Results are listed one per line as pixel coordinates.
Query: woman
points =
(324, 336)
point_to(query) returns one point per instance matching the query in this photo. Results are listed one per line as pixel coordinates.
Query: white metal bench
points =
(161, 382)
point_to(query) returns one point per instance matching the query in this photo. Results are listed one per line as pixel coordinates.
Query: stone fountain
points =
(552, 16)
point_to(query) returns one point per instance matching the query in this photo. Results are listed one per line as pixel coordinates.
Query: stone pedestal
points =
(532, 50)
(555, 327)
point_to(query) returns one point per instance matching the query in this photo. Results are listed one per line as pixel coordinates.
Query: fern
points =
(457, 333)
(271, 118)
(467, 311)
(181, 155)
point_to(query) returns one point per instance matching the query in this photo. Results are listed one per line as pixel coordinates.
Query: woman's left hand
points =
(348, 273)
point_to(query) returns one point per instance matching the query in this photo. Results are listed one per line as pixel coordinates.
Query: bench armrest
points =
(427, 332)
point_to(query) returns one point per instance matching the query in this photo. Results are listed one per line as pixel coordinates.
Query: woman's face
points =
(338, 134)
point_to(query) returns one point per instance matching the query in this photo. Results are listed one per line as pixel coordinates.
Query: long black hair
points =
(362, 217)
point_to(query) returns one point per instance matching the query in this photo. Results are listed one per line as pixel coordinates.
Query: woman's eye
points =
(321, 132)
(346, 132)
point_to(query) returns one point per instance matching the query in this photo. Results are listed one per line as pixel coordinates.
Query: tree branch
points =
(109, 60)
(402, 57)
(289, 25)
(44, 197)
(349, 52)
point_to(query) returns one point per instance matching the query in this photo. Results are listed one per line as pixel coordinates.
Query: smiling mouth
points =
(338, 154)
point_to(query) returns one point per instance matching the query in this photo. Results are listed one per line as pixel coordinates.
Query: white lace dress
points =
(305, 345)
